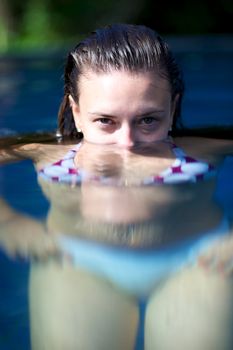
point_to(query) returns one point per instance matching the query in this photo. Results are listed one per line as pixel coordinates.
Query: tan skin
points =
(118, 111)
(123, 108)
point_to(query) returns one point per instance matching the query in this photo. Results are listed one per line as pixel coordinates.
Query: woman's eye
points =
(147, 121)
(105, 121)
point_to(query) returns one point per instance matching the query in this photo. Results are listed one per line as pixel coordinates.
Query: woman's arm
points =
(207, 148)
(23, 236)
(18, 152)
(41, 154)
(219, 258)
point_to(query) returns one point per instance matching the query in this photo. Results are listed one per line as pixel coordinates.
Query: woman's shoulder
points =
(41, 154)
(46, 154)
(205, 147)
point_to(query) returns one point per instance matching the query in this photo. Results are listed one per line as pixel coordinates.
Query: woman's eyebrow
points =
(102, 114)
(154, 111)
(144, 113)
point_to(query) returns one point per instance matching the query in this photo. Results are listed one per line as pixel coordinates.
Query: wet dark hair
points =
(132, 48)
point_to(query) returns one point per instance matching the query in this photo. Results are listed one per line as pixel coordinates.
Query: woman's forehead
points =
(152, 75)
(124, 84)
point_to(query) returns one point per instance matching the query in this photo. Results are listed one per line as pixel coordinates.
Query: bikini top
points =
(183, 169)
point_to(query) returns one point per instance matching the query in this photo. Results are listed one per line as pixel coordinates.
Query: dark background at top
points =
(40, 23)
(188, 17)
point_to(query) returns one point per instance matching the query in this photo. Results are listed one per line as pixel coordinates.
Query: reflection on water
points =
(117, 264)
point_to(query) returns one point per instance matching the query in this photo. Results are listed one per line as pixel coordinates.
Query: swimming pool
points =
(206, 62)
(31, 90)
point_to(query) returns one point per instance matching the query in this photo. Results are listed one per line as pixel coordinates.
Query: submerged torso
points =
(181, 169)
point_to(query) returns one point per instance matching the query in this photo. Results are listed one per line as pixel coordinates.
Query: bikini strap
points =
(178, 152)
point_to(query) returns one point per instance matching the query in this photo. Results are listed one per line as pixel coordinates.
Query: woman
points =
(123, 91)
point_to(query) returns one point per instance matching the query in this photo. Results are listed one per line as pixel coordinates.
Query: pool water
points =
(31, 82)
(19, 187)
(30, 91)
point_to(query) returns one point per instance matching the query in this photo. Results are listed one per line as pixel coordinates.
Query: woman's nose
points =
(125, 136)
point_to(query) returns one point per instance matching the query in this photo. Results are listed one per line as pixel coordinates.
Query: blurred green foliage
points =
(53, 23)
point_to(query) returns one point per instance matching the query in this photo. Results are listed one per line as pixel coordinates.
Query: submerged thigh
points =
(71, 309)
(193, 310)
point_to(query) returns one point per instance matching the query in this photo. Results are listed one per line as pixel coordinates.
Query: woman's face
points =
(123, 108)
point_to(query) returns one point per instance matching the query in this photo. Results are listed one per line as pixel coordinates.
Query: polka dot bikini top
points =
(183, 169)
